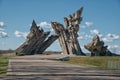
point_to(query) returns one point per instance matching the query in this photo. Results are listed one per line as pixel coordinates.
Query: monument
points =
(97, 48)
(68, 34)
(37, 41)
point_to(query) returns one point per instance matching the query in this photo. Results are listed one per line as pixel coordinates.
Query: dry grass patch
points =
(99, 62)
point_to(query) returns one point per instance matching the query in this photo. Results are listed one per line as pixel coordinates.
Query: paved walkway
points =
(43, 67)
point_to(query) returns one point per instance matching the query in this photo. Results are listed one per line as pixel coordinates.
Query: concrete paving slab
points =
(44, 67)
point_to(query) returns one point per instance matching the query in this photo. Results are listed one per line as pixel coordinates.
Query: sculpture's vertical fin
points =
(60, 31)
(68, 35)
(72, 27)
(35, 40)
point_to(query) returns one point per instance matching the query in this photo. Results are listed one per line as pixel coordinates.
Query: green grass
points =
(4, 64)
(98, 62)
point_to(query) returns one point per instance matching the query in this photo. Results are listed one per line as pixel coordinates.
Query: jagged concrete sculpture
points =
(36, 42)
(68, 36)
(97, 48)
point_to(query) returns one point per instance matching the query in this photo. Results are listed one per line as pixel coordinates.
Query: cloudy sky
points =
(100, 17)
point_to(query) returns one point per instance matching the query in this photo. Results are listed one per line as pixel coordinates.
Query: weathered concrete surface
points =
(43, 67)
(97, 48)
(68, 33)
(37, 41)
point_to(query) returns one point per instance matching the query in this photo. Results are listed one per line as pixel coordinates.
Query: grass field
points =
(107, 63)
(4, 64)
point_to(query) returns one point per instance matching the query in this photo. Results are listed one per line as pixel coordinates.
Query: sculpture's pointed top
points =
(77, 14)
(80, 11)
(96, 38)
(34, 25)
(81, 8)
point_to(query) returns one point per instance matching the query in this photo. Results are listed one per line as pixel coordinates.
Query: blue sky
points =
(100, 17)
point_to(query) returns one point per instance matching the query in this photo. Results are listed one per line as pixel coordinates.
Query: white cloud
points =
(52, 30)
(44, 24)
(84, 36)
(82, 47)
(2, 24)
(1, 29)
(110, 37)
(114, 48)
(82, 26)
(105, 39)
(113, 36)
(80, 37)
(95, 31)
(100, 35)
(88, 24)
(57, 41)
(81, 33)
(3, 34)
(88, 36)
(20, 34)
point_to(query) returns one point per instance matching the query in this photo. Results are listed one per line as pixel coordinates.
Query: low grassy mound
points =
(108, 63)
